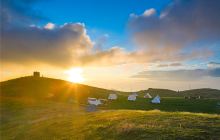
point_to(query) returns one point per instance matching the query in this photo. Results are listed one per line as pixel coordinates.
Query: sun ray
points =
(75, 75)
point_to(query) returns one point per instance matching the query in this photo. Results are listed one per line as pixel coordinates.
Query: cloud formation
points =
(59, 46)
(182, 75)
(160, 36)
(178, 27)
(176, 64)
(213, 65)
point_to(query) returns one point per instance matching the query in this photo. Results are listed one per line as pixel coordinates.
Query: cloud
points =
(178, 27)
(149, 12)
(175, 64)
(69, 45)
(213, 65)
(60, 46)
(171, 64)
(100, 42)
(49, 26)
(23, 42)
(181, 75)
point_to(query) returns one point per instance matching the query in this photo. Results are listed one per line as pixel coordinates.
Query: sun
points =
(75, 75)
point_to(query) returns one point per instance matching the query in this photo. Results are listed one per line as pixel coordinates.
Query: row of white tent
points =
(132, 97)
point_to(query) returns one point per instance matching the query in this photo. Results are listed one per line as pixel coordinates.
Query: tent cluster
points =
(131, 97)
(96, 102)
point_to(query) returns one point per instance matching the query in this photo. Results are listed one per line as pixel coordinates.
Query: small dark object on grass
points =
(91, 108)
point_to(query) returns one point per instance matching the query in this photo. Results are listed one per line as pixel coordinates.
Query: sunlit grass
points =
(62, 120)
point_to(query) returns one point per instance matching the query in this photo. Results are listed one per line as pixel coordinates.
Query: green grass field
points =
(28, 113)
(24, 119)
(167, 104)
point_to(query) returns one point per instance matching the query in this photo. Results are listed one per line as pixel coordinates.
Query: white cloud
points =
(49, 26)
(149, 12)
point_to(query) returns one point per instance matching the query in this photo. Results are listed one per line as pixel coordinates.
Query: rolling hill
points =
(203, 92)
(48, 88)
(40, 108)
(59, 89)
(39, 89)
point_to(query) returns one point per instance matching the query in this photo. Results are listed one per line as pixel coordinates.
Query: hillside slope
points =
(47, 88)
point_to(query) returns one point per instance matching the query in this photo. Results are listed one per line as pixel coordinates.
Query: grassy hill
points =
(48, 88)
(40, 108)
(60, 89)
(204, 92)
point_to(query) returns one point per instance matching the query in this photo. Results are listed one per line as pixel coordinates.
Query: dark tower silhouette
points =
(36, 74)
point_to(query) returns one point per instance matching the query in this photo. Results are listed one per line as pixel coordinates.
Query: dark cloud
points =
(181, 75)
(181, 24)
(60, 46)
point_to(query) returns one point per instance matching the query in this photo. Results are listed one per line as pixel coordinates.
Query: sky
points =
(125, 45)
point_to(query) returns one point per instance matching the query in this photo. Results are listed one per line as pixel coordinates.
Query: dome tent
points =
(147, 96)
(156, 100)
(94, 101)
(112, 96)
(131, 97)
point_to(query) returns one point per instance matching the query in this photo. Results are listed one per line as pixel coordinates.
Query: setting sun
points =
(75, 75)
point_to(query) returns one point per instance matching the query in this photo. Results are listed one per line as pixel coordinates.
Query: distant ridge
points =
(42, 87)
(203, 92)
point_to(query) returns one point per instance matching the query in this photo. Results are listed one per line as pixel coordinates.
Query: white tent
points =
(131, 98)
(147, 95)
(112, 96)
(156, 100)
(94, 101)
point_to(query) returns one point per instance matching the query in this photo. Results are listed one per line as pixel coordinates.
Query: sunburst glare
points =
(75, 75)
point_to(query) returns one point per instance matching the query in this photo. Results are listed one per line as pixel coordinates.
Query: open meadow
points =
(25, 119)
(32, 115)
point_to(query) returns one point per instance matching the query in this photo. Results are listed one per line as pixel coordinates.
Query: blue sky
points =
(104, 17)
(100, 16)
(96, 14)
(115, 40)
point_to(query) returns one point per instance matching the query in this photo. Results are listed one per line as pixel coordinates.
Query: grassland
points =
(25, 119)
(28, 111)
(167, 104)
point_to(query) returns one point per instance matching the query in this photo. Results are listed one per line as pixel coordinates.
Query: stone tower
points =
(36, 74)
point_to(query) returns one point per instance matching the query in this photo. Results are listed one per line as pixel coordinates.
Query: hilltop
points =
(48, 88)
(42, 87)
